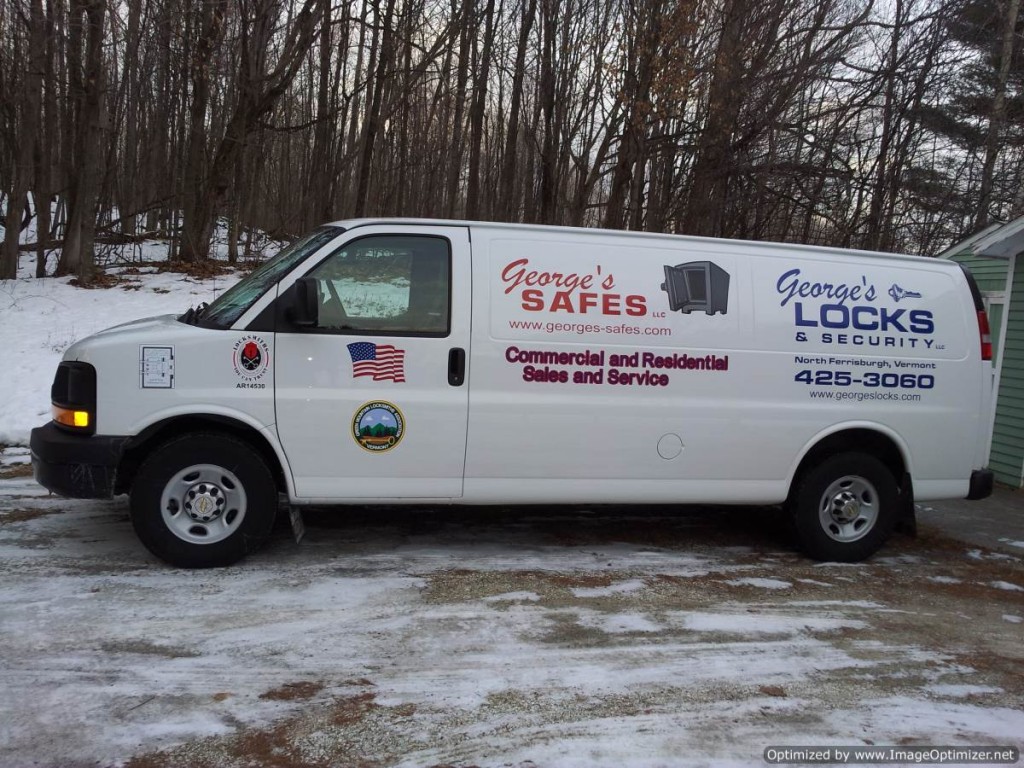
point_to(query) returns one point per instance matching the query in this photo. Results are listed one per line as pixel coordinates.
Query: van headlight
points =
(73, 397)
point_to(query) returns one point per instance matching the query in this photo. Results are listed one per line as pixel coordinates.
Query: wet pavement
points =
(524, 638)
(996, 523)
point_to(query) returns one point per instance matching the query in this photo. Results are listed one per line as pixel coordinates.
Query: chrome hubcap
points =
(848, 509)
(203, 504)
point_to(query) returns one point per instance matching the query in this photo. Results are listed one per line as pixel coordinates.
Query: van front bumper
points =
(982, 481)
(75, 466)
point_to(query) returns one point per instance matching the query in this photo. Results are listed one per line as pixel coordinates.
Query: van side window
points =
(386, 284)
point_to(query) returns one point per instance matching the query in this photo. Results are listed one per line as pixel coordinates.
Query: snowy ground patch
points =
(621, 588)
(439, 636)
(42, 318)
(1007, 586)
(760, 583)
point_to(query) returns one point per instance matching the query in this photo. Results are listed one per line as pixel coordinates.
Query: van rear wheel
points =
(203, 500)
(845, 508)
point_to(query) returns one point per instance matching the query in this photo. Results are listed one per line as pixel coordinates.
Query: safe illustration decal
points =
(251, 360)
(657, 296)
(381, 362)
(378, 426)
(697, 286)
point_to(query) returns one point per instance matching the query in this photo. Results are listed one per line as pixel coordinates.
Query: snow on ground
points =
(961, 690)
(420, 637)
(980, 554)
(622, 588)
(39, 319)
(762, 583)
(1007, 586)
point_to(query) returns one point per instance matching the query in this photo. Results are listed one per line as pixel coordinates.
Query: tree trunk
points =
(476, 118)
(993, 140)
(455, 158)
(549, 147)
(318, 188)
(198, 205)
(24, 163)
(129, 173)
(45, 188)
(709, 185)
(372, 125)
(258, 92)
(507, 182)
(77, 256)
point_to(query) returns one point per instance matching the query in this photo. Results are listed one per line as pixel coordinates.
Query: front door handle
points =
(456, 366)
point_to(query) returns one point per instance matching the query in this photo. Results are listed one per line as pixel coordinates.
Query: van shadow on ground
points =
(761, 529)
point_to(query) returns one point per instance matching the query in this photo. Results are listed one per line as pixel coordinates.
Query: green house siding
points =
(1008, 433)
(990, 274)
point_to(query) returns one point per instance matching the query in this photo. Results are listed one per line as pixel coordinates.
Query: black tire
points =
(845, 508)
(203, 500)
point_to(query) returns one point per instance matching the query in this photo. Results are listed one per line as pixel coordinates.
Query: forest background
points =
(895, 125)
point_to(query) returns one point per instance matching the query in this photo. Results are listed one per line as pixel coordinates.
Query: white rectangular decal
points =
(644, 295)
(156, 367)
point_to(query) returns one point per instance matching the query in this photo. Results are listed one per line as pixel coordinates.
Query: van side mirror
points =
(305, 307)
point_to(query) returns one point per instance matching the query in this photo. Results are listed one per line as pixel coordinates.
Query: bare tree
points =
(23, 171)
(88, 86)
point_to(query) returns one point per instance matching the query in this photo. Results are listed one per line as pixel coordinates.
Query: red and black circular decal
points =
(250, 357)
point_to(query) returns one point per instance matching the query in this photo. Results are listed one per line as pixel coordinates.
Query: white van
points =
(401, 361)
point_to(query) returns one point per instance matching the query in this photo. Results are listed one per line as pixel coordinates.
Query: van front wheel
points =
(203, 500)
(845, 508)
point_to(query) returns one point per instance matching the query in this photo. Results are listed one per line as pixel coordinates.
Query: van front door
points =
(372, 402)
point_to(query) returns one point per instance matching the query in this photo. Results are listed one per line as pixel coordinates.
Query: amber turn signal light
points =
(71, 418)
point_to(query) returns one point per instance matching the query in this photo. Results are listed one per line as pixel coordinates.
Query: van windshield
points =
(232, 304)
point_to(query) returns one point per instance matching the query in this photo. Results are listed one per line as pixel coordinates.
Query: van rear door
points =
(372, 402)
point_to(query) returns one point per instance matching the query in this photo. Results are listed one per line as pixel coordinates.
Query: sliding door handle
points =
(456, 366)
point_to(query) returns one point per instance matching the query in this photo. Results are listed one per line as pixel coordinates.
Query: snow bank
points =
(39, 319)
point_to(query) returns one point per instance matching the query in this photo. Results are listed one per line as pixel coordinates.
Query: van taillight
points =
(986, 335)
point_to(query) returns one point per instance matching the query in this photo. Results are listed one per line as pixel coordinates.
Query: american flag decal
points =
(383, 362)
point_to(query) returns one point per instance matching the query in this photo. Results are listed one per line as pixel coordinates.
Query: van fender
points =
(845, 426)
(267, 431)
(902, 477)
(906, 521)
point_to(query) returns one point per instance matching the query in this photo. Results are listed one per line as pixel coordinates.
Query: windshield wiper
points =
(194, 314)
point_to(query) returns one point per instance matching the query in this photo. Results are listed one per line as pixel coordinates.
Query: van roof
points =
(714, 242)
